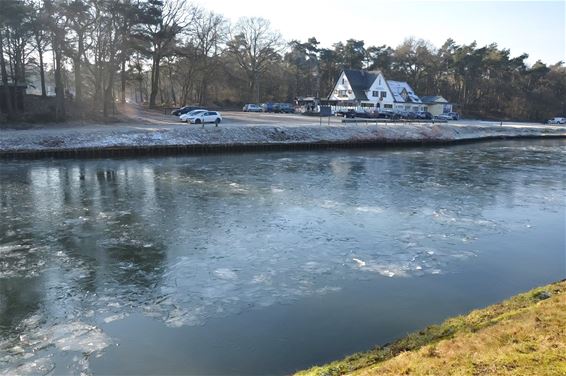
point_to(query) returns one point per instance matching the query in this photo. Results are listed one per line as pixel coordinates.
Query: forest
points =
(89, 56)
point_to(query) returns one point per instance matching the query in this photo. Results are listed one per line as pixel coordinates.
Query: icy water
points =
(265, 263)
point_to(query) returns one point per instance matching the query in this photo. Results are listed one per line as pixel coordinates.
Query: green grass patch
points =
(466, 325)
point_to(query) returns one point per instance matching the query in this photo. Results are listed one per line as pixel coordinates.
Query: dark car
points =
(343, 113)
(285, 108)
(388, 115)
(350, 113)
(424, 115)
(357, 114)
(183, 110)
(268, 107)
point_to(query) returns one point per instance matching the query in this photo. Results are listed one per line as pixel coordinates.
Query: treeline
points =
(97, 53)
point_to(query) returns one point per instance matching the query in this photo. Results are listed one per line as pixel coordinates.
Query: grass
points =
(525, 335)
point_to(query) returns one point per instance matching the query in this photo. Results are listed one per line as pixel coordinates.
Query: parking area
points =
(272, 119)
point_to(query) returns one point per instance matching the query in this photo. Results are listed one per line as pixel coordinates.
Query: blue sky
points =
(533, 27)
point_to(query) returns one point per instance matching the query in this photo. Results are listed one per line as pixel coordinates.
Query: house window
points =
(343, 81)
(387, 106)
(383, 94)
(342, 93)
(375, 94)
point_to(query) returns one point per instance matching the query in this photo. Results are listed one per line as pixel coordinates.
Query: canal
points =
(265, 263)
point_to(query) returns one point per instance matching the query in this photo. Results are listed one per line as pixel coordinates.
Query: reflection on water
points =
(188, 240)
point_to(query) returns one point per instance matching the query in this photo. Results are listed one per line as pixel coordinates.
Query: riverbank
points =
(236, 134)
(524, 335)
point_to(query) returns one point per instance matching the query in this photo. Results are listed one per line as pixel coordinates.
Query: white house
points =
(370, 90)
(437, 104)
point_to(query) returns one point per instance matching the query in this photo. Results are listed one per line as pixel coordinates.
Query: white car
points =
(557, 120)
(205, 117)
(443, 117)
(252, 108)
(185, 117)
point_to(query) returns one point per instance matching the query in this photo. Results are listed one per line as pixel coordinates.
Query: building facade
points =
(437, 104)
(370, 91)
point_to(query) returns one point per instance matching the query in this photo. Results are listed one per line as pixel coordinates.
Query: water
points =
(265, 262)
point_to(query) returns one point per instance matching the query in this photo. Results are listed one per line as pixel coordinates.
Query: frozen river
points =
(265, 262)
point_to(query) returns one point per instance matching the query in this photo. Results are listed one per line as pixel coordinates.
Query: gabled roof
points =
(431, 99)
(397, 88)
(361, 81)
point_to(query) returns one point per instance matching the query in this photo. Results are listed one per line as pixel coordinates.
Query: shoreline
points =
(515, 336)
(170, 139)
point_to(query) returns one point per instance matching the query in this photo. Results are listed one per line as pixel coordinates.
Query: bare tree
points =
(41, 41)
(57, 28)
(210, 32)
(81, 20)
(162, 22)
(255, 46)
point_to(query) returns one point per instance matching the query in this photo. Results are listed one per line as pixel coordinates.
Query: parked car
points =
(425, 115)
(267, 107)
(183, 110)
(205, 117)
(402, 114)
(358, 114)
(443, 117)
(185, 117)
(252, 107)
(343, 113)
(557, 120)
(387, 115)
(454, 115)
(286, 108)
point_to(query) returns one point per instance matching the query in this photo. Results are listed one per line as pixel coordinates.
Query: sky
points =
(533, 27)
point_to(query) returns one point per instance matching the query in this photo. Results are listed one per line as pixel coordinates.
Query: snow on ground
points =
(293, 129)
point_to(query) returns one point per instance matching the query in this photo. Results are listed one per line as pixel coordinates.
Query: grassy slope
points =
(525, 335)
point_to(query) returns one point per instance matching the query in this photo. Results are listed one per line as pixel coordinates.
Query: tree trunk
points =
(78, 72)
(141, 90)
(59, 91)
(173, 96)
(108, 100)
(154, 80)
(123, 82)
(41, 71)
(5, 88)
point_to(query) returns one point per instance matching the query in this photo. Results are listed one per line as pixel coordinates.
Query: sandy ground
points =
(152, 129)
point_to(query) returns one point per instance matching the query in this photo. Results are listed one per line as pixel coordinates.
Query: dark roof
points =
(361, 81)
(429, 99)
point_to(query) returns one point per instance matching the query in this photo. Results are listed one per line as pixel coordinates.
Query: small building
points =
(437, 104)
(370, 90)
